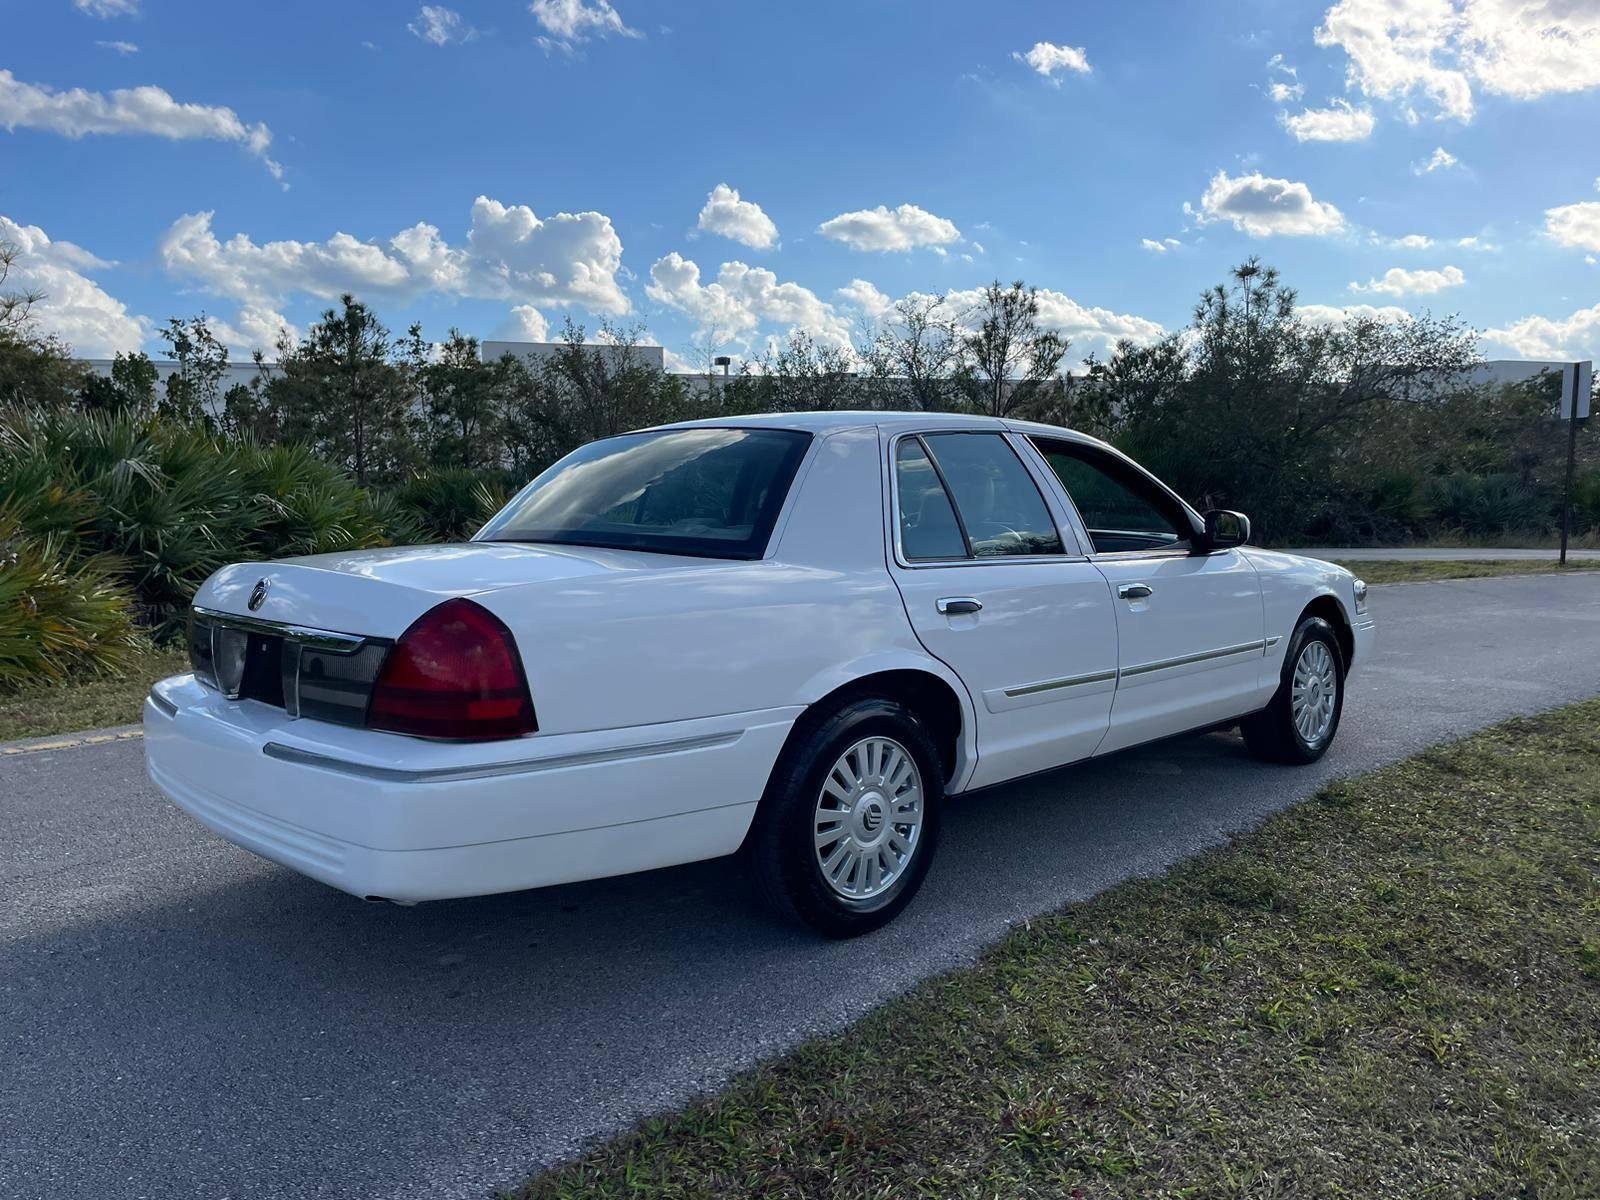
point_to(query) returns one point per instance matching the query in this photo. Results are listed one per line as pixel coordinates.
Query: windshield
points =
(709, 492)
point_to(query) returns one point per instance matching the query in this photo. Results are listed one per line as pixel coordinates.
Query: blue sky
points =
(500, 166)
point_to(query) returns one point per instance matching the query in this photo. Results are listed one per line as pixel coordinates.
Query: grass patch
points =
(1377, 570)
(92, 703)
(1392, 990)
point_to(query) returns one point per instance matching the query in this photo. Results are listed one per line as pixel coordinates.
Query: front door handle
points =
(1134, 591)
(955, 606)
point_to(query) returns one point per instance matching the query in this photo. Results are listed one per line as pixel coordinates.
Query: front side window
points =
(968, 495)
(1122, 510)
(714, 493)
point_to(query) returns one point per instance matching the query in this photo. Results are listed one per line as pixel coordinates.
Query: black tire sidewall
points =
(786, 845)
(1310, 629)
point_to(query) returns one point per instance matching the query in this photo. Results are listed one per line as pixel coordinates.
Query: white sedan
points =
(790, 635)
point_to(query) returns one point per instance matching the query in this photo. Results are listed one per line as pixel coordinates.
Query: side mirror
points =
(1225, 528)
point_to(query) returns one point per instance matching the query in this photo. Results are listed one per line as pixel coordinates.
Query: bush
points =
(451, 505)
(59, 615)
(1488, 504)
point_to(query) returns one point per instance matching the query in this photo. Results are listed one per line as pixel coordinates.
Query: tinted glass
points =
(1000, 506)
(928, 526)
(709, 492)
(1122, 509)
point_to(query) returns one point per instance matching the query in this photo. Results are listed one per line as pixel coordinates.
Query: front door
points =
(993, 592)
(1189, 626)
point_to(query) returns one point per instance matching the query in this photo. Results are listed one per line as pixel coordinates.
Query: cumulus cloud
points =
(123, 48)
(1575, 337)
(568, 23)
(1440, 160)
(441, 26)
(1340, 122)
(1331, 314)
(75, 307)
(867, 297)
(525, 323)
(255, 328)
(1413, 241)
(510, 253)
(1047, 58)
(1574, 225)
(108, 8)
(1397, 281)
(1442, 50)
(1262, 206)
(742, 220)
(742, 299)
(147, 110)
(885, 229)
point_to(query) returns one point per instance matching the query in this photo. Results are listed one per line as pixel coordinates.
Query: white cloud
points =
(1440, 160)
(1287, 89)
(1047, 58)
(741, 299)
(441, 26)
(1330, 314)
(1413, 241)
(1444, 49)
(742, 220)
(108, 8)
(255, 328)
(1575, 225)
(142, 110)
(866, 297)
(1397, 281)
(1262, 207)
(123, 48)
(1153, 246)
(524, 324)
(1576, 337)
(571, 22)
(1088, 328)
(1338, 123)
(510, 253)
(75, 307)
(885, 229)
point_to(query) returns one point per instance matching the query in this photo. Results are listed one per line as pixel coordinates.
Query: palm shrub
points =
(60, 614)
(1480, 505)
(451, 505)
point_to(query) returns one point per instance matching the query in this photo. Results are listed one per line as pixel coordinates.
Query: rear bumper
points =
(380, 815)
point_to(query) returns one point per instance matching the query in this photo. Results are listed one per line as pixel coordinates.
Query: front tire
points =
(1299, 724)
(849, 823)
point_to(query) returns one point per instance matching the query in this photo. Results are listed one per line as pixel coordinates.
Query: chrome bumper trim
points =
(316, 639)
(325, 762)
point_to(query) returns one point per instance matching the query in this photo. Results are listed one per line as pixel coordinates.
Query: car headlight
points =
(1361, 596)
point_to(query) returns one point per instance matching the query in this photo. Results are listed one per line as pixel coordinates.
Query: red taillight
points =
(454, 674)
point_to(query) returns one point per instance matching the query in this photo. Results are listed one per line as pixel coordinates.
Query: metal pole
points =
(1572, 462)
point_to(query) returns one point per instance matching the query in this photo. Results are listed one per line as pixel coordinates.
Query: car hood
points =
(378, 593)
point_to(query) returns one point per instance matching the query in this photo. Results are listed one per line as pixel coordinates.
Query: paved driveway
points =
(180, 1019)
(1437, 554)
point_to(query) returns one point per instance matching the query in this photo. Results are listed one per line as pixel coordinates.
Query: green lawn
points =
(1392, 990)
(89, 704)
(1411, 570)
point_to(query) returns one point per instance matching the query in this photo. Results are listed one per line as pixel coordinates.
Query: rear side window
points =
(967, 495)
(928, 525)
(709, 492)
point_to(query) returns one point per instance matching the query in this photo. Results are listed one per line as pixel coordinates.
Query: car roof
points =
(831, 422)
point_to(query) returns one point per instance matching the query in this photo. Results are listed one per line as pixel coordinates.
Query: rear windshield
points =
(708, 492)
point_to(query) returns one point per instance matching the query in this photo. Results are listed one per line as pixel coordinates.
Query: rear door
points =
(1189, 625)
(995, 588)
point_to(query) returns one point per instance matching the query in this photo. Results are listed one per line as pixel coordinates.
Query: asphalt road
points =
(179, 1019)
(1438, 554)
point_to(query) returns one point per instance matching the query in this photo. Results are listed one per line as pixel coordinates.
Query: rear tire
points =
(849, 823)
(1299, 724)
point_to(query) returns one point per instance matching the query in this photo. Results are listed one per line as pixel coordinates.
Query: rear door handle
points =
(1134, 591)
(955, 606)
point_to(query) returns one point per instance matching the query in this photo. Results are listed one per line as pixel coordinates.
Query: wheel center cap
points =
(870, 813)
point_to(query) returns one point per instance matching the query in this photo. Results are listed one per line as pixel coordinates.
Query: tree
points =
(918, 352)
(130, 388)
(194, 388)
(35, 368)
(339, 391)
(1010, 357)
(462, 399)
